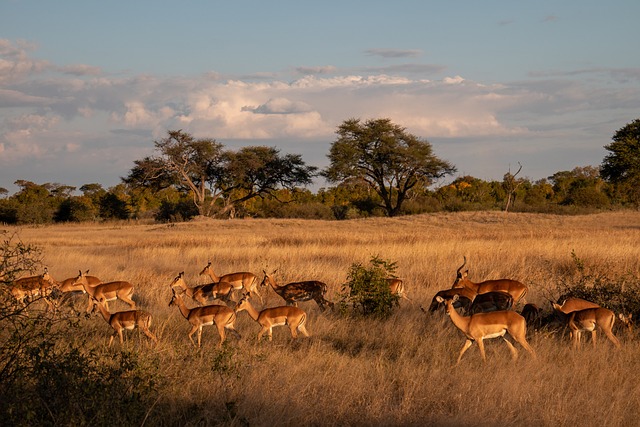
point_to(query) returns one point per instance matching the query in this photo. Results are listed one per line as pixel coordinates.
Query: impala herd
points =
(481, 310)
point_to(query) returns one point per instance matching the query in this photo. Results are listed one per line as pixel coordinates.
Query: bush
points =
(367, 289)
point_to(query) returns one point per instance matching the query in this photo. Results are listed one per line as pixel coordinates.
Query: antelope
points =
(32, 287)
(122, 320)
(220, 315)
(481, 326)
(465, 297)
(295, 292)
(203, 293)
(516, 289)
(104, 292)
(69, 285)
(574, 304)
(396, 287)
(240, 280)
(531, 314)
(586, 320)
(294, 317)
(491, 301)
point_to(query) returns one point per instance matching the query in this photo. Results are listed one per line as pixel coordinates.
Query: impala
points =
(531, 314)
(295, 292)
(29, 288)
(465, 297)
(241, 280)
(69, 285)
(203, 293)
(396, 287)
(106, 292)
(516, 289)
(220, 315)
(574, 304)
(587, 319)
(294, 317)
(481, 326)
(491, 301)
(122, 320)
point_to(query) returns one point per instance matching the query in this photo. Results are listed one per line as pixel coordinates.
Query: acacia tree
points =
(388, 159)
(259, 172)
(186, 162)
(208, 172)
(622, 166)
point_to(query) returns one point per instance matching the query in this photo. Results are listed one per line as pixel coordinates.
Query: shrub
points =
(367, 290)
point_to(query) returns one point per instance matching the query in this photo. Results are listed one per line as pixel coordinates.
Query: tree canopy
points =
(622, 165)
(204, 169)
(387, 158)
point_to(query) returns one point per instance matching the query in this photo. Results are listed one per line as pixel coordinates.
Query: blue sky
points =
(87, 86)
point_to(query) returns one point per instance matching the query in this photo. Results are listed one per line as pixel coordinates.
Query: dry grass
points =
(364, 372)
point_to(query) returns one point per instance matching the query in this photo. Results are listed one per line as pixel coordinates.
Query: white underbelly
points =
(496, 334)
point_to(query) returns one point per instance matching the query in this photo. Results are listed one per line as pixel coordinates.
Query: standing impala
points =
(220, 315)
(481, 326)
(295, 292)
(294, 317)
(516, 289)
(122, 320)
(240, 280)
(105, 292)
(203, 293)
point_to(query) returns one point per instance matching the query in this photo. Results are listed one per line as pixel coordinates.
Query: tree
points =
(388, 159)
(259, 172)
(204, 169)
(511, 185)
(622, 166)
(185, 161)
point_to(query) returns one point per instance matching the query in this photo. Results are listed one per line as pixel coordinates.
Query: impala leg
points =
(150, 334)
(303, 329)
(482, 352)
(111, 339)
(294, 331)
(127, 299)
(222, 334)
(593, 337)
(613, 339)
(465, 347)
(512, 349)
(232, 329)
(262, 331)
(193, 331)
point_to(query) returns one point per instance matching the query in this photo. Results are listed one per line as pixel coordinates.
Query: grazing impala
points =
(106, 292)
(203, 294)
(574, 304)
(481, 326)
(516, 289)
(294, 317)
(587, 320)
(241, 280)
(122, 320)
(491, 301)
(69, 285)
(220, 315)
(465, 297)
(295, 292)
(32, 287)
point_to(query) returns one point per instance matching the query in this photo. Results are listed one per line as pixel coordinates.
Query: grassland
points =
(399, 371)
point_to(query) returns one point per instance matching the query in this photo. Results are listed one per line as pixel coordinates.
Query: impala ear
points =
(455, 298)
(439, 298)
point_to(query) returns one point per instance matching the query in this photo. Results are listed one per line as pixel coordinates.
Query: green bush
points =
(367, 290)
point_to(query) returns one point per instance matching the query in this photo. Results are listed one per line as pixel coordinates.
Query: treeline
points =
(578, 191)
(376, 167)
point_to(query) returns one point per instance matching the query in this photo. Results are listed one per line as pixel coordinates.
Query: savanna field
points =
(359, 371)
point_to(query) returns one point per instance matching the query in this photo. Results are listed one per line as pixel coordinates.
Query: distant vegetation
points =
(377, 169)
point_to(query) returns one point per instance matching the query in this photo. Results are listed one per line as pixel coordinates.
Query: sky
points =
(86, 87)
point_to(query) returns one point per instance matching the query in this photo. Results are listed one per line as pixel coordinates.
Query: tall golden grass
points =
(398, 371)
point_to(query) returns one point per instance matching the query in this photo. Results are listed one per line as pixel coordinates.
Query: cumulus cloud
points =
(87, 116)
